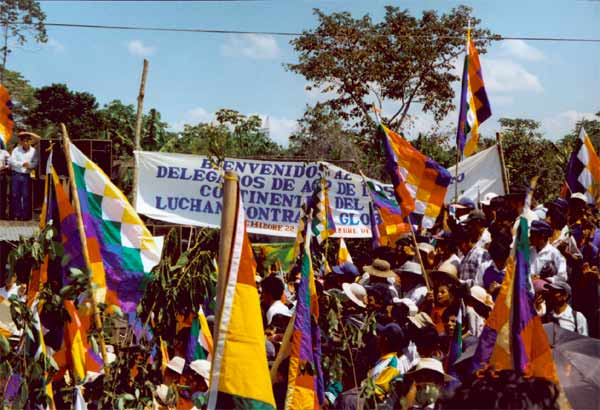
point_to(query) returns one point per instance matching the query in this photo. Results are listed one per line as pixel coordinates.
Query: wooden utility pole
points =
(138, 127)
(83, 239)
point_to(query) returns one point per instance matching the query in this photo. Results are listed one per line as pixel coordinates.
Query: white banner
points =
(477, 175)
(185, 189)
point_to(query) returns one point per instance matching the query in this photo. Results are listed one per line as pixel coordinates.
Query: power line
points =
(293, 34)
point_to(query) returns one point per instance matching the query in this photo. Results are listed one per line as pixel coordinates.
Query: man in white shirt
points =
(10, 288)
(4, 173)
(545, 258)
(271, 294)
(22, 160)
(560, 312)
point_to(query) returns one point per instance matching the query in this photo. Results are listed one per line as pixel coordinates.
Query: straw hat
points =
(356, 293)
(421, 320)
(426, 247)
(446, 272)
(380, 268)
(201, 367)
(431, 364)
(34, 137)
(176, 364)
(410, 267)
(480, 294)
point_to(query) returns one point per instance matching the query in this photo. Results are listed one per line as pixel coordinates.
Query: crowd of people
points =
(404, 308)
(418, 303)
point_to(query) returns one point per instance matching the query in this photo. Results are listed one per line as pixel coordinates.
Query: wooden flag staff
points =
(83, 238)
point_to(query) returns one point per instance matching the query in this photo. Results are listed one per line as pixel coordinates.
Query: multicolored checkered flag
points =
(122, 250)
(323, 225)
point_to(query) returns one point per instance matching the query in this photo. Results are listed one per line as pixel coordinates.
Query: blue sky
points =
(192, 75)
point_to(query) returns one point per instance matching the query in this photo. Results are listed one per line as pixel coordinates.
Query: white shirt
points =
(485, 239)
(417, 294)
(19, 157)
(566, 320)
(548, 254)
(475, 321)
(5, 294)
(4, 158)
(277, 308)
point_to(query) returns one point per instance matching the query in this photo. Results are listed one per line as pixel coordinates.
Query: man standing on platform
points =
(4, 173)
(22, 161)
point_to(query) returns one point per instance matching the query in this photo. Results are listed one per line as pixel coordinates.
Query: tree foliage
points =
(57, 104)
(22, 95)
(403, 60)
(321, 136)
(528, 154)
(231, 135)
(13, 13)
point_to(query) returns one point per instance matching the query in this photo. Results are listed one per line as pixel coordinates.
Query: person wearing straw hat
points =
(22, 161)
(445, 280)
(428, 378)
(380, 272)
(412, 282)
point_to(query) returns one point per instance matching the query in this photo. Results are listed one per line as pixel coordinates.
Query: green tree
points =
(21, 19)
(403, 60)
(527, 154)
(77, 110)
(231, 135)
(439, 146)
(22, 95)
(321, 136)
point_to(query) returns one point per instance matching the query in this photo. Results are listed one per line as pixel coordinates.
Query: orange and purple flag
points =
(389, 222)
(514, 337)
(305, 376)
(6, 119)
(474, 103)
(420, 183)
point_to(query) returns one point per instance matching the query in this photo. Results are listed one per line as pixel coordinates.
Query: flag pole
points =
(414, 238)
(138, 128)
(458, 150)
(83, 239)
(502, 164)
(228, 217)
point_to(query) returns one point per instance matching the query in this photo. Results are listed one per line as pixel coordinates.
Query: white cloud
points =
(503, 75)
(257, 46)
(138, 48)
(194, 117)
(521, 50)
(55, 45)
(501, 100)
(557, 126)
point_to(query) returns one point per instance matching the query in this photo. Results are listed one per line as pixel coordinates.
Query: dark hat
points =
(392, 332)
(559, 204)
(468, 202)
(347, 268)
(497, 202)
(518, 189)
(476, 215)
(541, 227)
(561, 285)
